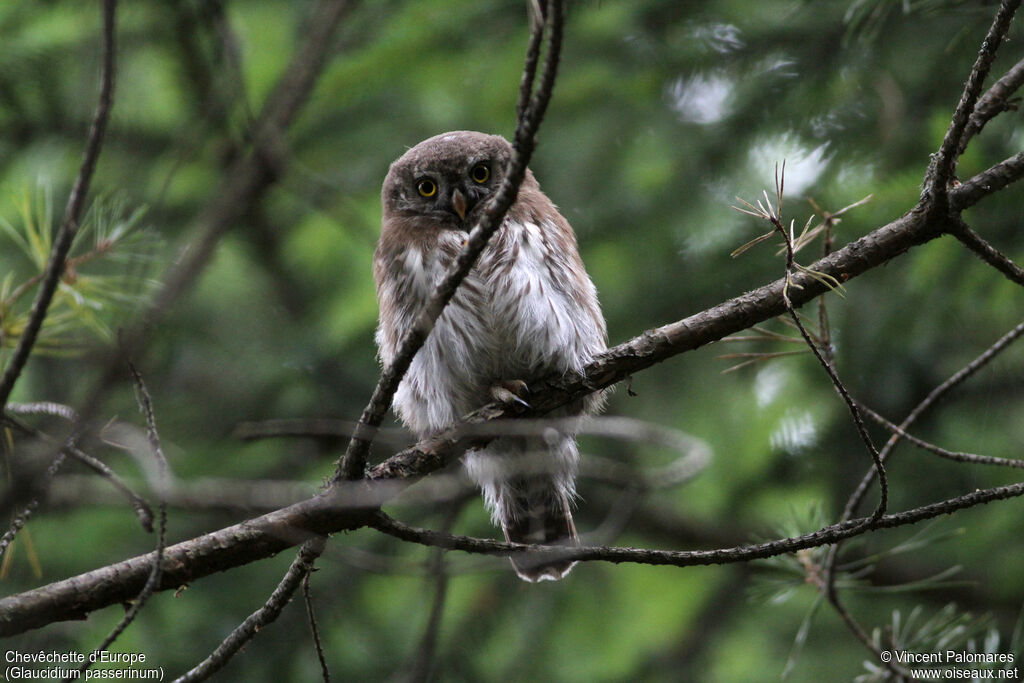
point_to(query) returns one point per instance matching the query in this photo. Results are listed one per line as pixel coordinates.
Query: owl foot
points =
(510, 391)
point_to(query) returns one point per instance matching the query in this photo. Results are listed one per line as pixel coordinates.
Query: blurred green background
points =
(663, 113)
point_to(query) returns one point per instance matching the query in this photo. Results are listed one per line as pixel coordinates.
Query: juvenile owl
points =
(527, 309)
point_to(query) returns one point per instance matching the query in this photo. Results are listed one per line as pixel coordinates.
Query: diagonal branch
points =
(153, 580)
(657, 345)
(247, 181)
(281, 596)
(933, 397)
(994, 102)
(269, 534)
(989, 181)
(72, 212)
(987, 253)
(353, 464)
(941, 171)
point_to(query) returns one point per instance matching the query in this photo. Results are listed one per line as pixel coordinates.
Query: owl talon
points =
(511, 391)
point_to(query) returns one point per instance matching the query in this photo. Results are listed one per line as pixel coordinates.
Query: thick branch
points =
(263, 537)
(255, 539)
(657, 345)
(267, 535)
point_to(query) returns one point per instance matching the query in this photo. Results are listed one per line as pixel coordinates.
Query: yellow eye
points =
(480, 173)
(426, 188)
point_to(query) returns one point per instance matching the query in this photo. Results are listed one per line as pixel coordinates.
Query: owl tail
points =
(527, 484)
(545, 519)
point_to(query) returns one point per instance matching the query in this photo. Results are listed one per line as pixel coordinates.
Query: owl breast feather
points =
(518, 315)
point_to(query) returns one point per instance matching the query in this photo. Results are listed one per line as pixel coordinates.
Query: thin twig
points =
(139, 504)
(987, 253)
(994, 102)
(156, 573)
(958, 456)
(931, 399)
(773, 215)
(72, 212)
(314, 629)
(22, 517)
(829, 222)
(71, 264)
(687, 558)
(266, 614)
(941, 170)
(988, 182)
(352, 464)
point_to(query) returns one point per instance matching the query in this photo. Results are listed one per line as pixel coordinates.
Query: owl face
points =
(442, 183)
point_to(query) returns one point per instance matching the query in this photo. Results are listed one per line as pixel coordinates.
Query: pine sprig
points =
(106, 272)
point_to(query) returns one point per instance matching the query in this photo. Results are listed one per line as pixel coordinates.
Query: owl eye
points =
(480, 173)
(426, 187)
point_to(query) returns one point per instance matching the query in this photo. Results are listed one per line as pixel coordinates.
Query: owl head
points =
(443, 182)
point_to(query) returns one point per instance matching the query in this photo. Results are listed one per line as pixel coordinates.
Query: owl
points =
(527, 309)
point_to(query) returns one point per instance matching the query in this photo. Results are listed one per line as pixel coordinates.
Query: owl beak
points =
(459, 204)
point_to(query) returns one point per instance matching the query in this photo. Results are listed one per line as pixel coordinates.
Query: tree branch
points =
(342, 507)
(689, 558)
(265, 536)
(72, 212)
(657, 345)
(994, 102)
(352, 464)
(941, 171)
(281, 596)
(989, 254)
(992, 180)
(227, 548)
